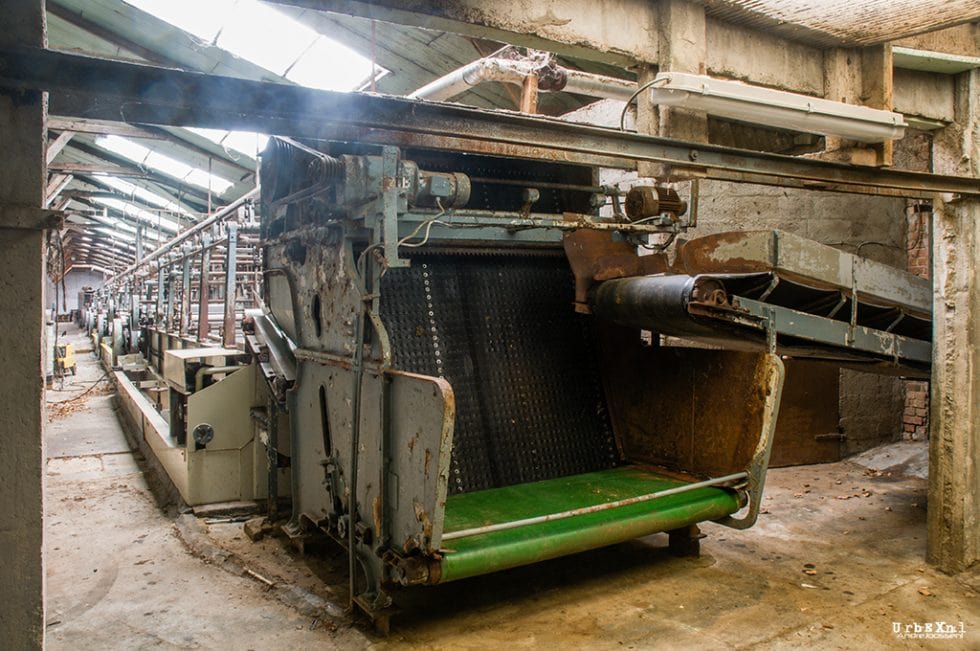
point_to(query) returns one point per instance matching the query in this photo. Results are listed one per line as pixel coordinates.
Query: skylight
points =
(148, 196)
(245, 142)
(268, 38)
(139, 214)
(114, 233)
(148, 158)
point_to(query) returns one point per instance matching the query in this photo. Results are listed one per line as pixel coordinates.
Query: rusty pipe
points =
(553, 79)
(474, 74)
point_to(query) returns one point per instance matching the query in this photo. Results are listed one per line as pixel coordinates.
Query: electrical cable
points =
(81, 395)
(649, 84)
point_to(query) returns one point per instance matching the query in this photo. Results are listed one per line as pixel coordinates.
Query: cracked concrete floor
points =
(835, 561)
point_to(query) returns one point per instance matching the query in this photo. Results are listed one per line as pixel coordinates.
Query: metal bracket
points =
(30, 218)
(389, 206)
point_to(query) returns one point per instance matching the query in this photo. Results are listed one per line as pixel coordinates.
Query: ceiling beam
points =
(97, 88)
(576, 28)
(190, 192)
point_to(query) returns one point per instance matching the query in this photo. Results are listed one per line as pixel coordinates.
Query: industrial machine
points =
(206, 421)
(461, 348)
(64, 360)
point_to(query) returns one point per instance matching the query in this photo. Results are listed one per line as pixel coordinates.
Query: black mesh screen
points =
(502, 331)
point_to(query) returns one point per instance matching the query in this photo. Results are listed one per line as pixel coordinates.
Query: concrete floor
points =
(835, 562)
(118, 575)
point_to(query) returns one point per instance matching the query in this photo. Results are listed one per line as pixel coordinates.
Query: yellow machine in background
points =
(64, 360)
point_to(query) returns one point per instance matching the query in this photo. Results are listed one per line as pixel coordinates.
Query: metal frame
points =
(87, 87)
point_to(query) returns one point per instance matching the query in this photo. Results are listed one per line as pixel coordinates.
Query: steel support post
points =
(185, 298)
(203, 326)
(231, 267)
(168, 321)
(158, 317)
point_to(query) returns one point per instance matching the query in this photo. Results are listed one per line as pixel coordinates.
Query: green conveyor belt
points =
(489, 552)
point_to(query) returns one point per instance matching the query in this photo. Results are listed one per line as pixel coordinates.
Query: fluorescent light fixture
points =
(776, 108)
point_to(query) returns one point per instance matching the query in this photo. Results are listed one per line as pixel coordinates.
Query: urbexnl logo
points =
(929, 631)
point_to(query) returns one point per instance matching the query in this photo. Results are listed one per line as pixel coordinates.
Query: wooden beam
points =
(98, 168)
(91, 27)
(56, 184)
(58, 144)
(100, 127)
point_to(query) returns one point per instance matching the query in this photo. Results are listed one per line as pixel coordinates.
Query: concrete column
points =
(681, 31)
(683, 48)
(954, 449)
(863, 77)
(22, 188)
(954, 445)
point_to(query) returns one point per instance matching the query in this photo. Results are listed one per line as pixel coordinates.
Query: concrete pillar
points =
(683, 48)
(681, 31)
(863, 77)
(22, 187)
(954, 448)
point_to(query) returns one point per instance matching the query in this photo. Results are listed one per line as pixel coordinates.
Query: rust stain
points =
(702, 255)
(377, 508)
(423, 517)
(428, 458)
(412, 442)
(595, 256)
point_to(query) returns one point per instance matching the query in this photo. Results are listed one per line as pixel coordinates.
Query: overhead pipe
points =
(551, 78)
(474, 74)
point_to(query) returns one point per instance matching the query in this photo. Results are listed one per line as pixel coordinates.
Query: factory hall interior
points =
(612, 324)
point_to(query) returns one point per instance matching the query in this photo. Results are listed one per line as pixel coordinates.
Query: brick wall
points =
(915, 419)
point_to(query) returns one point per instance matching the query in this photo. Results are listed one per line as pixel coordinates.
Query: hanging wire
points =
(649, 84)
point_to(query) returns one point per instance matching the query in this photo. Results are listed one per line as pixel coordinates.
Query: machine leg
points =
(685, 541)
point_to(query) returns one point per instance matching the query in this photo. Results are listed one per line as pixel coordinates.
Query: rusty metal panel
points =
(421, 419)
(807, 431)
(690, 410)
(808, 263)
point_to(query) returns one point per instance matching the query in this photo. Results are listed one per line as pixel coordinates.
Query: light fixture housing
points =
(776, 108)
